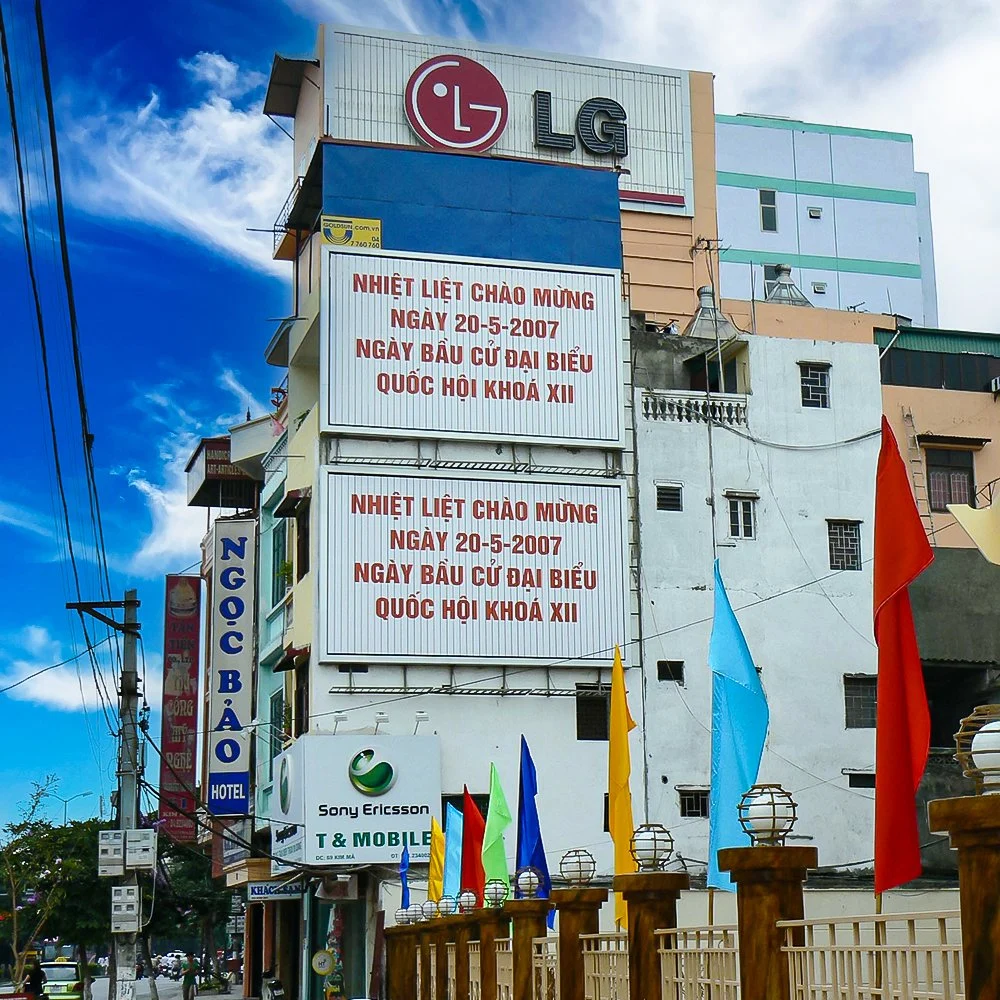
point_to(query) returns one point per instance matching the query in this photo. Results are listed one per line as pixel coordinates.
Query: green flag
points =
(498, 818)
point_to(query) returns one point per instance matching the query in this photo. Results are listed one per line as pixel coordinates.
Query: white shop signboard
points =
(429, 568)
(355, 799)
(414, 346)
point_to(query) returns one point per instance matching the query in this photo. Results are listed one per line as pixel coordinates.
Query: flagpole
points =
(711, 907)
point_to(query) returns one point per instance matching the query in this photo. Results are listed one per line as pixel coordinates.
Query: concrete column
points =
(651, 898)
(769, 884)
(443, 933)
(493, 924)
(973, 823)
(465, 928)
(527, 917)
(401, 962)
(579, 913)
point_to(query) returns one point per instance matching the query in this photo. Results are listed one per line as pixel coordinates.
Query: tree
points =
(34, 874)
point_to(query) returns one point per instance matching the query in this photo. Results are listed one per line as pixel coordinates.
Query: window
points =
(742, 517)
(279, 580)
(482, 803)
(694, 802)
(770, 278)
(859, 701)
(768, 211)
(302, 540)
(277, 729)
(861, 779)
(815, 380)
(950, 478)
(607, 813)
(845, 544)
(353, 668)
(670, 670)
(668, 497)
(938, 370)
(300, 722)
(593, 711)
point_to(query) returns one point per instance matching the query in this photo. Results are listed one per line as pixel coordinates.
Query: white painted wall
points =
(805, 641)
(849, 229)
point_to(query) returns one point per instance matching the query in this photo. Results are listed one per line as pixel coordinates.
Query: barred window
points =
(694, 802)
(815, 382)
(860, 700)
(845, 544)
(950, 477)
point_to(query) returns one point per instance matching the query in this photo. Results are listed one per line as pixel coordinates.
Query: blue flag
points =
(404, 868)
(530, 850)
(452, 851)
(739, 728)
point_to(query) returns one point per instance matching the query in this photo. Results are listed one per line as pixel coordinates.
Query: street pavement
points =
(168, 989)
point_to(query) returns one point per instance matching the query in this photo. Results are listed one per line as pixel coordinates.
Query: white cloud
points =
(15, 516)
(210, 171)
(176, 530)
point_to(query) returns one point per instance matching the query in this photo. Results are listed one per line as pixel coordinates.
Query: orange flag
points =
(902, 733)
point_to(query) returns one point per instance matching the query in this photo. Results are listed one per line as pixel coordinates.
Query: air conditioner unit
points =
(819, 287)
(995, 385)
(815, 212)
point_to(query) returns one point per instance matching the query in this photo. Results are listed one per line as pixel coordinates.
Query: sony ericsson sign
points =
(455, 103)
(230, 702)
(365, 798)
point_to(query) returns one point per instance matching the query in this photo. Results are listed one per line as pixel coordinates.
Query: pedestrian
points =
(34, 981)
(189, 976)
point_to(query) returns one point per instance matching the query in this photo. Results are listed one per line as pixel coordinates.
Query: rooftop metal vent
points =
(784, 291)
(703, 323)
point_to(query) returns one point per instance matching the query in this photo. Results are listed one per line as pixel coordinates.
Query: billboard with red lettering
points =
(423, 345)
(179, 727)
(433, 568)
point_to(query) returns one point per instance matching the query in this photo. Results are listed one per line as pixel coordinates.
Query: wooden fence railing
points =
(605, 966)
(699, 962)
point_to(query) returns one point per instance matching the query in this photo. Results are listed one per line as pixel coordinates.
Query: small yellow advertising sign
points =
(342, 231)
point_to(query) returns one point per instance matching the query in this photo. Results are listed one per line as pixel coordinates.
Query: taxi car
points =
(63, 979)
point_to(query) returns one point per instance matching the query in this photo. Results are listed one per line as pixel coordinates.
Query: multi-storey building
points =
(492, 459)
(842, 206)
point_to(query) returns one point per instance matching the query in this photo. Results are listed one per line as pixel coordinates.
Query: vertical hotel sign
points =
(181, 626)
(230, 703)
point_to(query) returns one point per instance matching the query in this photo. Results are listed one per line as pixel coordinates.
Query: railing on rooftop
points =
(689, 406)
(281, 222)
(545, 967)
(699, 962)
(605, 966)
(893, 956)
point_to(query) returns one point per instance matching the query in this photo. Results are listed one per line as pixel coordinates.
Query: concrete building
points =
(844, 207)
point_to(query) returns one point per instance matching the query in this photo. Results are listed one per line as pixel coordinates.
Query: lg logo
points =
(455, 103)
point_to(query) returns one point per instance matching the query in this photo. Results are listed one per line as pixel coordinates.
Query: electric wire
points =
(53, 666)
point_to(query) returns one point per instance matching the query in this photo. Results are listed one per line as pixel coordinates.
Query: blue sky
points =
(167, 161)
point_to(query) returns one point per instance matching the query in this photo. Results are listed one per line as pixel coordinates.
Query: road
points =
(168, 989)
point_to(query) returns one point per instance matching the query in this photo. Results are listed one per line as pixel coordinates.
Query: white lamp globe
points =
(528, 882)
(429, 909)
(767, 814)
(986, 756)
(467, 901)
(447, 905)
(402, 915)
(650, 847)
(495, 893)
(577, 867)
(416, 913)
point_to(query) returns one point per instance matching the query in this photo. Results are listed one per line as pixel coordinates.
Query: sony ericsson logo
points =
(284, 786)
(369, 775)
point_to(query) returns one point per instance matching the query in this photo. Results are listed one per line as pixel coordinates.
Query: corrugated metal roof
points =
(942, 341)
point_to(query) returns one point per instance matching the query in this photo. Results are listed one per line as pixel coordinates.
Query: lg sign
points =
(456, 103)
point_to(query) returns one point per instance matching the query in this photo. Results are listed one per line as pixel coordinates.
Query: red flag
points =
(473, 830)
(902, 733)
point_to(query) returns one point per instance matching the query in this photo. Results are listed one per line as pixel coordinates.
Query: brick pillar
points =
(651, 898)
(769, 884)
(973, 823)
(493, 924)
(527, 917)
(579, 913)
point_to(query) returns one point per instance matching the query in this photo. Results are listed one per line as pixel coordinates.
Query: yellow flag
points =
(982, 525)
(435, 876)
(619, 793)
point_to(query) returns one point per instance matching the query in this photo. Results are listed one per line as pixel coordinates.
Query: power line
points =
(53, 666)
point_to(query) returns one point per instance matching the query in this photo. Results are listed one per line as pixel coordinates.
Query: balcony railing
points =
(916, 956)
(687, 406)
(700, 962)
(281, 222)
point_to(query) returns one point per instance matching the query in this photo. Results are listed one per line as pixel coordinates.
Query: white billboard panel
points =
(455, 96)
(430, 568)
(439, 345)
(356, 799)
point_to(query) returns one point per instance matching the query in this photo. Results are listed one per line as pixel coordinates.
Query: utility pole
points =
(128, 766)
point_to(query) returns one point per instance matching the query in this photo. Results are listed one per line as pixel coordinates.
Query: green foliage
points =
(83, 916)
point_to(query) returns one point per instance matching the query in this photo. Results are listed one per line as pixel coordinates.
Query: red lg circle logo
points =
(455, 103)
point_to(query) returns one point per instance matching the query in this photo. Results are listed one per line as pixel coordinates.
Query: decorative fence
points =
(605, 966)
(896, 956)
(475, 975)
(452, 978)
(685, 406)
(699, 962)
(545, 968)
(432, 968)
(505, 969)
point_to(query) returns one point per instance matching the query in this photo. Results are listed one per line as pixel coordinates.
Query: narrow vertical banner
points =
(230, 702)
(179, 726)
